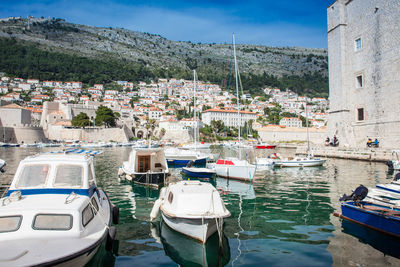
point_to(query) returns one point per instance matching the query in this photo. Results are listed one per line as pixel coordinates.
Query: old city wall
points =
(317, 136)
(22, 135)
(89, 135)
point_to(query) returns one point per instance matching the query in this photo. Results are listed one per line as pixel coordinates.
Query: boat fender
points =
(389, 163)
(110, 238)
(120, 172)
(162, 193)
(115, 214)
(155, 210)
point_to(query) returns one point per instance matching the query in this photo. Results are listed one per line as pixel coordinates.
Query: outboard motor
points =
(357, 196)
(389, 163)
(190, 164)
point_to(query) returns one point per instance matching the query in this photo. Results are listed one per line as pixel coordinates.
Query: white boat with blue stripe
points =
(54, 213)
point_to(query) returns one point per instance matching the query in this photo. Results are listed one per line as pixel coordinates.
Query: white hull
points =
(245, 173)
(300, 163)
(198, 146)
(182, 154)
(198, 229)
(192, 208)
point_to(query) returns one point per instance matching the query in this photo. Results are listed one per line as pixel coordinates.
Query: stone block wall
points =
(376, 22)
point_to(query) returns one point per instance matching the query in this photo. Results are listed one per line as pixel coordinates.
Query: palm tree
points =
(162, 133)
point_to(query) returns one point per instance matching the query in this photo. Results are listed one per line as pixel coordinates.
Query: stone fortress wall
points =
(376, 24)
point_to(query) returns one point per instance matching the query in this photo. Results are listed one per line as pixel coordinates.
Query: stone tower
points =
(364, 71)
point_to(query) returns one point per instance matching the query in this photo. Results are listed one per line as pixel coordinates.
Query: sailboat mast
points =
(237, 90)
(194, 110)
(308, 134)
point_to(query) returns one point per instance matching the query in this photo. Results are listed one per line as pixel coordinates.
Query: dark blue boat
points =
(184, 162)
(377, 217)
(198, 172)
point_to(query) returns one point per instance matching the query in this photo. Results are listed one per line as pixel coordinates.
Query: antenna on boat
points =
(194, 110)
(237, 92)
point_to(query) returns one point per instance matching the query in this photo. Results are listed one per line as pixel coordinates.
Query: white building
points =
(191, 123)
(364, 72)
(229, 117)
(291, 122)
(155, 113)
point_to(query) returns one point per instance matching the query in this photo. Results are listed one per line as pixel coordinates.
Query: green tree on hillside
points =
(105, 116)
(80, 120)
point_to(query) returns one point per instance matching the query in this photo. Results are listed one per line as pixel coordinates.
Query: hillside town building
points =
(229, 117)
(291, 122)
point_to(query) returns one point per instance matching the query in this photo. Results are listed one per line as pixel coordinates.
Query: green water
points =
(283, 218)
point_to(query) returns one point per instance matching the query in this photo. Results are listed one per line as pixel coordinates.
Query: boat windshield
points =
(68, 175)
(33, 176)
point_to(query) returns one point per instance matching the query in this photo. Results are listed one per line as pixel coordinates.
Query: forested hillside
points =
(58, 50)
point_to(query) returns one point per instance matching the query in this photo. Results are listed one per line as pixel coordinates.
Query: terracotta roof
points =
(63, 123)
(228, 111)
(12, 106)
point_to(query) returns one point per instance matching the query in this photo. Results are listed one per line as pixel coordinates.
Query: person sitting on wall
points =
(369, 142)
(376, 142)
(327, 141)
(335, 141)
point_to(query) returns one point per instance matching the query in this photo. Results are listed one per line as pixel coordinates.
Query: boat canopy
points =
(61, 173)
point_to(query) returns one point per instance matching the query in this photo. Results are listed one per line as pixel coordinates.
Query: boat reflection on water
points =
(188, 252)
(207, 180)
(228, 186)
(145, 191)
(103, 257)
(388, 245)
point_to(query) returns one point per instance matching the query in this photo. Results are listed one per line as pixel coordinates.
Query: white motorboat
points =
(54, 213)
(181, 157)
(192, 208)
(234, 168)
(196, 146)
(147, 166)
(264, 164)
(300, 161)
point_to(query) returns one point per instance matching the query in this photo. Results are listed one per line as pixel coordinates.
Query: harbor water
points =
(283, 218)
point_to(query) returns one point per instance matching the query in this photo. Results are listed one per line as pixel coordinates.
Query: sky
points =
(299, 23)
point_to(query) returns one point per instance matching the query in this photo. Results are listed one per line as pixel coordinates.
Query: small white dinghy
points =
(54, 213)
(192, 208)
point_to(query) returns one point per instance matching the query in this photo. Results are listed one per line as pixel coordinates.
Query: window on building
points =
(359, 81)
(360, 114)
(357, 44)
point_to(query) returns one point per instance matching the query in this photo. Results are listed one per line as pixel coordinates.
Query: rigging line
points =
(229, 70)
(240, 80)
(241, 230)
(308, 203)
